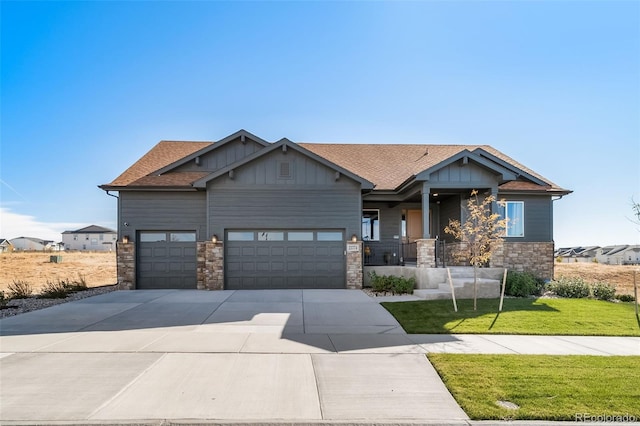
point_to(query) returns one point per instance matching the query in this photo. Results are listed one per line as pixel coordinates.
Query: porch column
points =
(210, 265)
(426, 249)
(426, 190)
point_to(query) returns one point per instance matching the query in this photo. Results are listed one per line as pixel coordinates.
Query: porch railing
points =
(381, 253)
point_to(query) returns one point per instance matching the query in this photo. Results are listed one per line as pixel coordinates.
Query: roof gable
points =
(284, 145)
(463, 158)
(242, 136)
(91, 229)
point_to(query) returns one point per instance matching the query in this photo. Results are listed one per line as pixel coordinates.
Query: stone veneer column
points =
(426, 253)
(210, 269)
(126, 264)
(354, 265)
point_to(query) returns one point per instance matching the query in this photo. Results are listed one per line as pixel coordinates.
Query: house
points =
(90, 238)
(5, 246)
(619, 255)
(34, 244)
(577, 254)
(244, 213)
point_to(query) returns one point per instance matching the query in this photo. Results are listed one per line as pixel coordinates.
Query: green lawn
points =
(544, 387)
(519, 316)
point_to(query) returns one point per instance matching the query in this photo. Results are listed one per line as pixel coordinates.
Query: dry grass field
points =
(619, 275)
(34, 267)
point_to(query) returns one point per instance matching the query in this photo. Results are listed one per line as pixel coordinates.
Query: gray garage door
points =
(166, 260)
(284, 259)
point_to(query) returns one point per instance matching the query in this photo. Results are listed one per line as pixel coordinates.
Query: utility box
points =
(55, 259)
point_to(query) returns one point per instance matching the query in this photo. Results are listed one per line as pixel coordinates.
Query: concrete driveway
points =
(301, 356)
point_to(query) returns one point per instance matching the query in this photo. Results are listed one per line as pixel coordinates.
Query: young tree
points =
(481, 233)
(635, 207)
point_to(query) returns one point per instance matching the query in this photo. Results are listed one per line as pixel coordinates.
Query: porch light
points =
(354, 238)
(125, 239)
(214, 239)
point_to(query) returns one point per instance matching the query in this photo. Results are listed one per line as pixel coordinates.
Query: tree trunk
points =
(475, 287)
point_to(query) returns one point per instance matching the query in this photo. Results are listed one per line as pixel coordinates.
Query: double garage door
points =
(280, 259)
(254, 259)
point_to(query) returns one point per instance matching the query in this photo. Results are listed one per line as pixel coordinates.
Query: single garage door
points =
(166, 260)
(285, 259)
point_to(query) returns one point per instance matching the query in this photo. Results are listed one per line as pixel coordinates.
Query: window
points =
(300, 236)
(329, 236)
(371, 225)
(513, 211)
(240, 236)
(101, 237)
(183, 236)
(270, 236)
(152, 237)
(94, 241)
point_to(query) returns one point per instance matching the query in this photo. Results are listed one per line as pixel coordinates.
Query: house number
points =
(352, 248)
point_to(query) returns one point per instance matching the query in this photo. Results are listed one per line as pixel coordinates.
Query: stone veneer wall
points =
(450, 251)
(354, 265)
(426, 250)
(126, 264)
(210, 265)
(536, 258)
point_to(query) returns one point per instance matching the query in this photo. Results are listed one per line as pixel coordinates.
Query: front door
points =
(414, 225)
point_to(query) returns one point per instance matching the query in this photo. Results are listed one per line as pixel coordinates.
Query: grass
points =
(544, 387)
(581, 317)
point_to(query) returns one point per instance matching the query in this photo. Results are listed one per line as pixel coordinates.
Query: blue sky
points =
(89, 87)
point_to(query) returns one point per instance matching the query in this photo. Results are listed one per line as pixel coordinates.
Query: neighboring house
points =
(34, 244)
(90, 238)
(619, 255)
(5, 246)
(577, 254)
(243, 213)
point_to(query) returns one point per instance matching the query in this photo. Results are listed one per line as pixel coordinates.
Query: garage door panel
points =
(166, 264)
(248, 251)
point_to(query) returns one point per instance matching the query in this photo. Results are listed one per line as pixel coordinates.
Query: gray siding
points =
(162, 211)
(470, 174)
(538, 217)
(222, 156)
(449, 209)
(257, 198)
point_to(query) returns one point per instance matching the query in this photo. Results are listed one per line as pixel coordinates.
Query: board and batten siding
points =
(220, 157)
(258, 198)
(162, 211)
(538, 217)
(469, 175)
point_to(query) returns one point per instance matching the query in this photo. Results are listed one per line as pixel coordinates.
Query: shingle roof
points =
(163, 154)
(386, 165)
(91, 229)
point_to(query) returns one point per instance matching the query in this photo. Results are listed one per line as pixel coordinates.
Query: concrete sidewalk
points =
(299, 357)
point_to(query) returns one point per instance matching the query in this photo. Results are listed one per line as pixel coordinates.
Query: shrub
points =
(522, 284)
(603, 291)
(574, 288)
(79, 284)
(3, 299)
(390, 283)
(54, 290)
(625, 297)
(20, 289)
